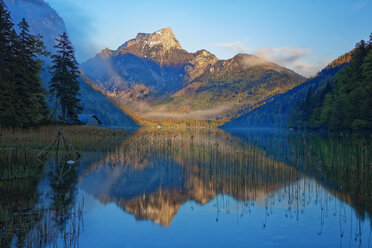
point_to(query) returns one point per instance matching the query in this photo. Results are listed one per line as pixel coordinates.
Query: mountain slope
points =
(228, 86)
(275, 111)
(154, 77)
(45, 21)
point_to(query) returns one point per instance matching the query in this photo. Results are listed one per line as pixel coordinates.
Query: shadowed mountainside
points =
(45, 21)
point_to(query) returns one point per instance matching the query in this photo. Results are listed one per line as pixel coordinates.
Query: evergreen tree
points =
(65, 83)
(31, 106)
(346, 102)
(22, 102)
(7, 39)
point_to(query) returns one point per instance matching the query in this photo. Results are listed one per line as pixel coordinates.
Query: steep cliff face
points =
(160, 46)
(155, 78)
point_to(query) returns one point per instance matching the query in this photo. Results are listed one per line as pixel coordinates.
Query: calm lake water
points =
(204, 188)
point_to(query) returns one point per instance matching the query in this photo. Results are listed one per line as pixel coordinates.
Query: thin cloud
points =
(253, 61)
(236, 46)
(299, 60)
(293, 58)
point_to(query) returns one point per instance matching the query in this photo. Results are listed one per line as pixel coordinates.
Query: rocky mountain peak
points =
(106, 53)
(163, 38)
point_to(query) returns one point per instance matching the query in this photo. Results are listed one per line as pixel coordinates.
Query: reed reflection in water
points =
(185, 188)
(155, 172)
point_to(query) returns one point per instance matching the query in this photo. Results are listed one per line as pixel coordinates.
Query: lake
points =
(192, 188)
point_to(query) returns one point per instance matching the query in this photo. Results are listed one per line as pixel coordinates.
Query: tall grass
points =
(83, 138)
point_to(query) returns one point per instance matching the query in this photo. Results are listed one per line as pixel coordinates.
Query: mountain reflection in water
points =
(302, 188)
(155, 171)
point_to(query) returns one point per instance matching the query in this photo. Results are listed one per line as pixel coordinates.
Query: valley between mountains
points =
(151, 80)
(154, 78)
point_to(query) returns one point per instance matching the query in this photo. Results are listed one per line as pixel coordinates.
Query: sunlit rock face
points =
(160, 207)
(153, 76)
(161, 46)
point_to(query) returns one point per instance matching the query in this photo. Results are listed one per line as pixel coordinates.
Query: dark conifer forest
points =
(345, 101)
(22, 98)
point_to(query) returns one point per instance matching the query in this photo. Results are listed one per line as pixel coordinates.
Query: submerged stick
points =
(47, 147)
(69, 143)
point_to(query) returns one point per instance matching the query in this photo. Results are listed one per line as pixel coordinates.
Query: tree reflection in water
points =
(28, 217)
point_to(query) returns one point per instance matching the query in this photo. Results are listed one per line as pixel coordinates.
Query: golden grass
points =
(83, 138)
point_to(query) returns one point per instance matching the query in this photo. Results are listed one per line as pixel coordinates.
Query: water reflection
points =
(297, 187)
(18, 198)
(155, 171)
(37, 201)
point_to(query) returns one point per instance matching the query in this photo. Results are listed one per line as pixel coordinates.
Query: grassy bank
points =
(83, 138)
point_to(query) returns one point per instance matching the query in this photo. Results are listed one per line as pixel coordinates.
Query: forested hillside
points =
(345, 102)
(274, 111)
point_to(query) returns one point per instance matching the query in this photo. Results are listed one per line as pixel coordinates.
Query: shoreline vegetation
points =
(96, 138)
(85, 138)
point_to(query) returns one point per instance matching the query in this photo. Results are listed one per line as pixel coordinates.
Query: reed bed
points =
(83, 138)
(249, 167)
(37, 228)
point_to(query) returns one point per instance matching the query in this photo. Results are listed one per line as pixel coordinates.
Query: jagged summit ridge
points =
(159, 46)
(163, 37)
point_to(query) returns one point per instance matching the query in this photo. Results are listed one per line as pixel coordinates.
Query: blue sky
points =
(301, 35)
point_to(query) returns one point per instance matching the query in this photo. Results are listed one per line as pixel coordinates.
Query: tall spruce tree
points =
(7, 39)
(22, 102)
(30, 93)
(65, 83)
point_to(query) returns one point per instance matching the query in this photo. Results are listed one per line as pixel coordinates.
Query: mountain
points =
(154, 77)
(45, 21)
(227, 87)
(274, 112)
